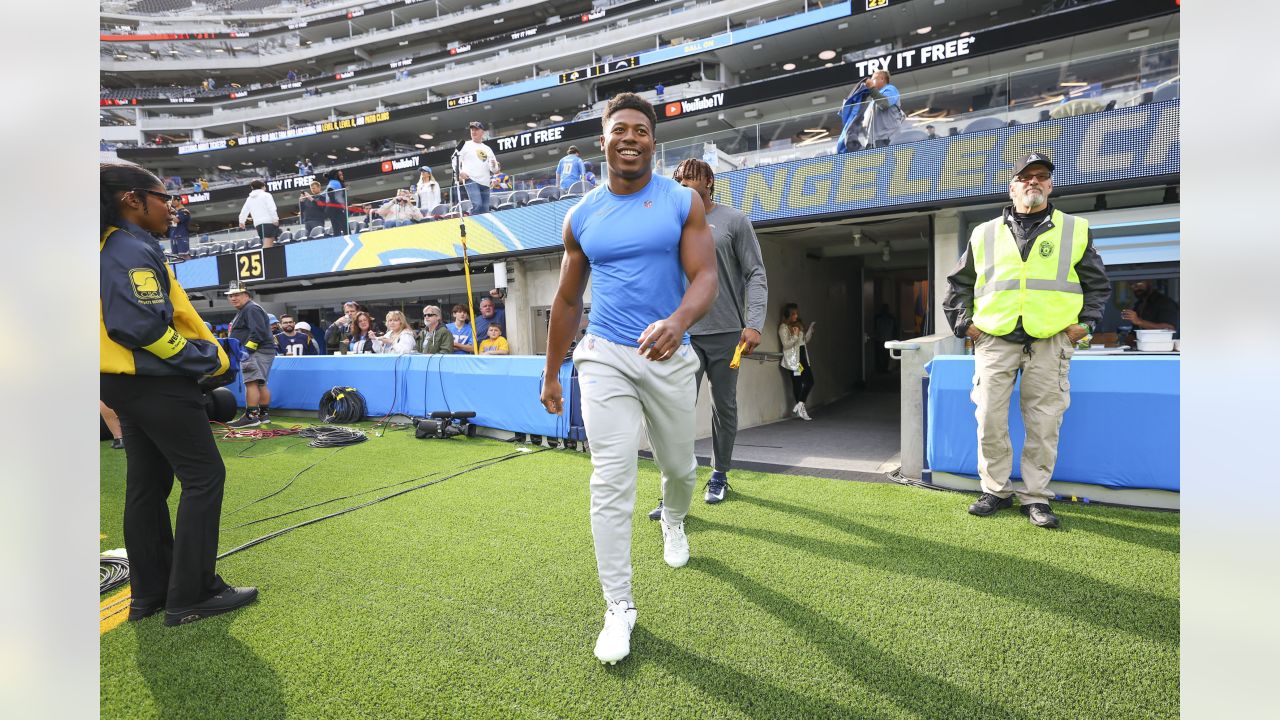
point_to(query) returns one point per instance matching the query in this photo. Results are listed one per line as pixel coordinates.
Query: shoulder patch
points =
(146, 286)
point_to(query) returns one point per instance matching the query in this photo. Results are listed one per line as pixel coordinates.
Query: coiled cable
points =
(342, 405)
(327, 436)
(112, 573)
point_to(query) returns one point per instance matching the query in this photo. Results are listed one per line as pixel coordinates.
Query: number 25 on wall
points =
(249, 265)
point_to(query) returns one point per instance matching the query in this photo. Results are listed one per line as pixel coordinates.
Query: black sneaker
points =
(656, 513)
(245, 421)
(225, 601)
(143, 609)
(117, 444)
(717, 487)
(986, 504)
(1040, 514)
(553, 443)
(263, 418)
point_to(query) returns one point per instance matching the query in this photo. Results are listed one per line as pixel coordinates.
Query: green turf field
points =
(804, 598)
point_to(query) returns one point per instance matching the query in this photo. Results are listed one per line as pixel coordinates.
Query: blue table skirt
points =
(503, 391)
(1121, 431)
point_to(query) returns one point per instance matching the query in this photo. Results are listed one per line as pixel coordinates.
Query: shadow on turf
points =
(1042, 586)
(879, 672)
(1146, 537)
(202, 671)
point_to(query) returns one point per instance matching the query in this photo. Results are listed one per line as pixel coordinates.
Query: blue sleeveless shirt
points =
(633, 244)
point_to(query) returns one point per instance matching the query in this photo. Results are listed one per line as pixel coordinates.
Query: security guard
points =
(1027, 288)
(154, 349)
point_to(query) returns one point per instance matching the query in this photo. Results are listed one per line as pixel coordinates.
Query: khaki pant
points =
(622, 392)
(1045, 396)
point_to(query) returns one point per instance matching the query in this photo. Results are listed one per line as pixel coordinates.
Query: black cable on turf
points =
(395, 394)
(112, 573)
(278, 533)
(254, 444)
(370, 490)
(286, 485)
(332, 436)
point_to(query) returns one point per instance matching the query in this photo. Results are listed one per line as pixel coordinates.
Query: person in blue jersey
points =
(645, 239)
(291, 341)
(570, 169)
(335, 202)
(462, 331)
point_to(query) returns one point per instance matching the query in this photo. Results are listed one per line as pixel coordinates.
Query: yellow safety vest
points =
(117, 359)
(1044, 290)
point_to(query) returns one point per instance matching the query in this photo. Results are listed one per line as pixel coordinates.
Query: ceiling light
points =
(531, 124)
(420, 146)
(353, 148)
(857, 238)
(885, 255)
(751, 113)
(224, 167)
(245, 162)
(829, 65)
(527, 156)
(924, 30)
(757, 46)
(556, 118)
(332, 156)
(1074, 84)
(219, 50)
(402, 43)
(826, 54)
(789, 67)
(426, 136)
(964, 34)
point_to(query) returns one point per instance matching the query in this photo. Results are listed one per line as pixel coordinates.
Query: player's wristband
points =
(251, 346)
(169, 344)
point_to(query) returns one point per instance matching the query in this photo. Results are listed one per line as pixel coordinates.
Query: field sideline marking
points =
(113, 611)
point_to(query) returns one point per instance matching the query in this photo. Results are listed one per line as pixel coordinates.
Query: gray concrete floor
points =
(854, 438)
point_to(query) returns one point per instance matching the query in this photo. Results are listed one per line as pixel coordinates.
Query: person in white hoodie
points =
(398, 339)
(262, 208)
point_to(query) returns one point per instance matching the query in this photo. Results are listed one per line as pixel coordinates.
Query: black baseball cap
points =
(476, 124)
(1032, 159)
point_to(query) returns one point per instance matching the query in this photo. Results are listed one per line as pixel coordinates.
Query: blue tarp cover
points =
(503, 391)
(1121, 430)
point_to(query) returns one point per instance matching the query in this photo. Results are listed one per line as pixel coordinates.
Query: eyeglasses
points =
(1042, 177)
(430, 315)
(163, 196)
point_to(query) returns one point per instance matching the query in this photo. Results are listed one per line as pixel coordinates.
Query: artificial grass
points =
(804, 597)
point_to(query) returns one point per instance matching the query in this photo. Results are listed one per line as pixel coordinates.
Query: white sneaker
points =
(614, 642)
(675, 545)
(803, 411)
(796, 409)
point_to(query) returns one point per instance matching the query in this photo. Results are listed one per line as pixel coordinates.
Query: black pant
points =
(800, 384)
(166, 431)
(337, 219)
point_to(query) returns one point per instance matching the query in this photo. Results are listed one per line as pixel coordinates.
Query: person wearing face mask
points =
(1152, 309)
(1027, 288)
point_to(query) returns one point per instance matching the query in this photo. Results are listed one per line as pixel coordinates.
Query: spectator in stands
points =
(398, 339)
(204, 185)
(310, 207)
(427, 191)
(275, 323)
(494, 344)
(342, 326)
(313, 346)
(463, 336)
(501, 181)
(436, 338)
(363, 332)
(304, 167)
(930, 132)
(336, 202)
(588, 176)
(262, 208)
(180, 229)
(195, 185)
(474, 164)
(291, 75)
(399, 210)
(1152, 309)
(289, 341)
(871, 114)
(490, 314)
(570, 168)
(659, 90)
(497, 295)
(795, 355)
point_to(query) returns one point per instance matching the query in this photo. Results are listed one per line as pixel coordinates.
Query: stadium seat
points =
(439, 211)
(240, 245)
(506, 206)
(1166, 92)
(520, 198)
(254, 244)
(226, 247)
(577, 189)
(316, 232)
(985, 123)
(464, 206)
(285, 236)
(550, 192)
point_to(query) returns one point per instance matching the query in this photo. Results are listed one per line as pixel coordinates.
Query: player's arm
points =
(660, 340)
(566, 314)
(259, 330)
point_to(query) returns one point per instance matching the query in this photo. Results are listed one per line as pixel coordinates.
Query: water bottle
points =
(1123, 332)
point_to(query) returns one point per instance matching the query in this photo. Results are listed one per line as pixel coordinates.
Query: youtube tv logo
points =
(672, 109)
(386, 166)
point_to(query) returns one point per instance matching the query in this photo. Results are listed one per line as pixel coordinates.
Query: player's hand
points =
(660, 340)
(1075, 332)
(552, 395)
(972, 331)
(750, 340)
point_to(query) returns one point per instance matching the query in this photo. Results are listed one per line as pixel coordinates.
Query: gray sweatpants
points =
(715, 352)
(620, 391)
(1045, 397)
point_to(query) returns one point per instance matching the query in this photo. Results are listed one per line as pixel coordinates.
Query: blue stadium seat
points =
(985, 123)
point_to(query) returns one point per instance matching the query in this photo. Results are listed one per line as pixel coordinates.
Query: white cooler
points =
(1155, 340)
